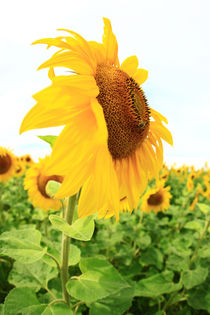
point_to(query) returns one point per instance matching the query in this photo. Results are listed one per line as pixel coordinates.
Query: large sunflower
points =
(110, 146)
(7, 164)
(35, 183)
(156, 199)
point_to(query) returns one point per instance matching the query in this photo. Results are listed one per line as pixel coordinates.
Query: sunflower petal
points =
(75, 144)
(110, 43)
(157, 116)
(104, 187)
(86, 84)
(130, 65)
(69, 60)
(161, 131)
(54, 108)
(140, 76)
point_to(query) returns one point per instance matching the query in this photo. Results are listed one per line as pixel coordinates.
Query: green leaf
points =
(191, 278)
(82, 229)
(74, 255)
(204, 251)
(52, 188)
(34, 310)
(144, 240)
(18, 299)
(34, 275)
(152, 256)
(199, 297)
(117, 303)
(203, 207)
(99, 279)
(157, 285)
(22, 245)
(44, 309)
(58, 309)
(194, 225)
(177, 263)
(48, 139)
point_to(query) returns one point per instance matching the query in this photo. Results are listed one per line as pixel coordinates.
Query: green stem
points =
(68, 215)
(194, 256)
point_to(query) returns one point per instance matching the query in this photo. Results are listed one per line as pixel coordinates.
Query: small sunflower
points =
(7, 164)
(35, 183)
(19, 169)
(156, 199)
(112, 141)
(27, 160)
(198, 192)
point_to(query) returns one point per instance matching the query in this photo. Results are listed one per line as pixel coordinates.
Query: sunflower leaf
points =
(82, 229)
(22, 245)
(99, 279)
(48, 139)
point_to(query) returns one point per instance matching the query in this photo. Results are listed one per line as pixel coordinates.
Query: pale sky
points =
(170, 39)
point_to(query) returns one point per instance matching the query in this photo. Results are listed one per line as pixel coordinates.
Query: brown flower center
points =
(28, 159)
(5, 163)
(43, 180)
(155, 199)
(18, 169)
(125, 110)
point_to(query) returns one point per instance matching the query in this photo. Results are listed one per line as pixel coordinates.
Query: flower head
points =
(7, 164)
(35, 183)
(156, 199)
(111, 144)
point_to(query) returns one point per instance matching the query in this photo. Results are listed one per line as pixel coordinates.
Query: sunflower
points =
(19, 169)
(27, 160)
(111, 144)
(35, 183)
(156, 199)
(198, 192)
(7, 164)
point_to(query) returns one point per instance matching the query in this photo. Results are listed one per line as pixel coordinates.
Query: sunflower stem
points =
(68, 215)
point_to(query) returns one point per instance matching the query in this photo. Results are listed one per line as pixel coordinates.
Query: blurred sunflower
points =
(156, 199)
(19, 169)
(7, 164)
(27, 160)
(198, 192)
(35, 183)
(109, 145)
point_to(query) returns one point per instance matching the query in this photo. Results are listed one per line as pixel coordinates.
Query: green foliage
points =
(82, 229)
(98, 280)
(144, 264)
(48, 139)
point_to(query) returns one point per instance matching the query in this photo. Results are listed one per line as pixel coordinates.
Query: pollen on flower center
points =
(155, 199)
(43, 180)
(5, 163)
(125, 110)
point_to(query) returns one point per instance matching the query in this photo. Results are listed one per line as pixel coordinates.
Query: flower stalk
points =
(68, 216)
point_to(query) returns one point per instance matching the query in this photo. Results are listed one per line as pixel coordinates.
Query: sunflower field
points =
(153, 261)
(101, 225)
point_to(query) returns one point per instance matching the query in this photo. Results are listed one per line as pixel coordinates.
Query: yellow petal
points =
(130, 65)
(55, 107)
(98, 50)
(74, 145)
(57, 42)
(69, 60)
(81, 46)
(140, 76)
(161, 131)
(85, 84)
(157, 116)
(75, 180)
(110, 43)
(102, 134)
(102, 186)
